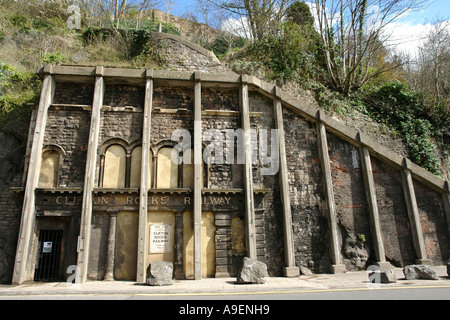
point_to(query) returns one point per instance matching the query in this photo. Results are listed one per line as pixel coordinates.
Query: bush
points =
(53, 58)
(404, 111)
(17, 89)
(289, 53)
(222, 45)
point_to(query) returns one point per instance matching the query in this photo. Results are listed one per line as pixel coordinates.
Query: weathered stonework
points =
(351, 206)
(433, 222)
(206, 224)
(393, 215)
(69, 130)
(307, 198)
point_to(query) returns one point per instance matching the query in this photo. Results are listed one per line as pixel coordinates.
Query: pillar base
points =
(423, 261)
(338, 268)
(291, 272)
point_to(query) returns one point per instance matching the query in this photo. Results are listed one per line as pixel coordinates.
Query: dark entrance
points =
(49, 255)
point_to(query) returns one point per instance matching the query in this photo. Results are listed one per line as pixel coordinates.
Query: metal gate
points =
(49, 252)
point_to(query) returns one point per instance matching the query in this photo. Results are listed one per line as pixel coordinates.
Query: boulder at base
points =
(378, 276)
(419, 271)
(252, 272)
(160, 273)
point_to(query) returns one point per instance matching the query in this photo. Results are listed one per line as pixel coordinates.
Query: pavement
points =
(223, 286)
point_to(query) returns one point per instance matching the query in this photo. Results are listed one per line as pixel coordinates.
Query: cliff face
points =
(11, 172)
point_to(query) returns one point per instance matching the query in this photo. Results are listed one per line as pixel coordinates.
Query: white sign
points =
(161, 238)
(47, 248)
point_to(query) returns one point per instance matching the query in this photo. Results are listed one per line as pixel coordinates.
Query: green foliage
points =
(404, 111)
(26, 23)
(135, 44)
(289, 54)
(222, 45)
(362, 237)
(299, 13)
(17, 89)
(53, 58)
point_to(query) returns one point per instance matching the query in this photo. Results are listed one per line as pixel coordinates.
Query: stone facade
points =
(228, 214)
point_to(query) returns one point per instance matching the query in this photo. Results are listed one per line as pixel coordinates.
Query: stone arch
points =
(52, 158)
(115, 164)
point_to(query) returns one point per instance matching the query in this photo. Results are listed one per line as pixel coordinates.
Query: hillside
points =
(30, 38)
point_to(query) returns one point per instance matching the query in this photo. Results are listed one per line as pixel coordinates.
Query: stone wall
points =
(395, 227)
(433, 222)
(74, 93)
(350, 202)
(306, 191)
(99, 245)
(10, 212)
(68, 128)
(124, 96)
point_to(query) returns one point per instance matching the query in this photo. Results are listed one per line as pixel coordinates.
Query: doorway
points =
(49, 256)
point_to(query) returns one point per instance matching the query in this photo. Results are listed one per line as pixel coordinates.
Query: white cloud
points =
(406, 38)
(238, 27)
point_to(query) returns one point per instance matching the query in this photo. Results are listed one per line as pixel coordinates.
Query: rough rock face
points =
(160, 273)
(252, 272)
(356, 253)
(413, 272)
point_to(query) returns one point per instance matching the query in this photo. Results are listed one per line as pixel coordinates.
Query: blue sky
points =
(435, 8)
(407, 33)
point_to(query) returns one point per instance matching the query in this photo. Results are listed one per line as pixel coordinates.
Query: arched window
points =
(135, 170)
(48, 176)
(167, 170)
(115, 167)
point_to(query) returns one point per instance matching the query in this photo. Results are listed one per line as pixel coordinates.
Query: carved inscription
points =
(158, 200)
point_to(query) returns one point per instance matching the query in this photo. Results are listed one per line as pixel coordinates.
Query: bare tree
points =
(261, 16)
(434, 63)
(352, 33)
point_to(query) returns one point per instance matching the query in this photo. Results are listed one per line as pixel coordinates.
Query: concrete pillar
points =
(29, 141)
(109, 274)
(369, 186)
(413, 214)
(198, 176)
(291, 270)
(143, 191)
(250, 227)
(91, 163)
(22, 264)
(337, 266)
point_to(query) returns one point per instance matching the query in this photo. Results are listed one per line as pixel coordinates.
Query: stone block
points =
(252, 272)
(160, 273)
(419, 271)
(379, 276)
(291, 272)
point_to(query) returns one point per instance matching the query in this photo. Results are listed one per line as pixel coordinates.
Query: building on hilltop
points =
(201, 167)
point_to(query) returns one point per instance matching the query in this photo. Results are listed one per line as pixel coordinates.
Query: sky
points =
(406, 34)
